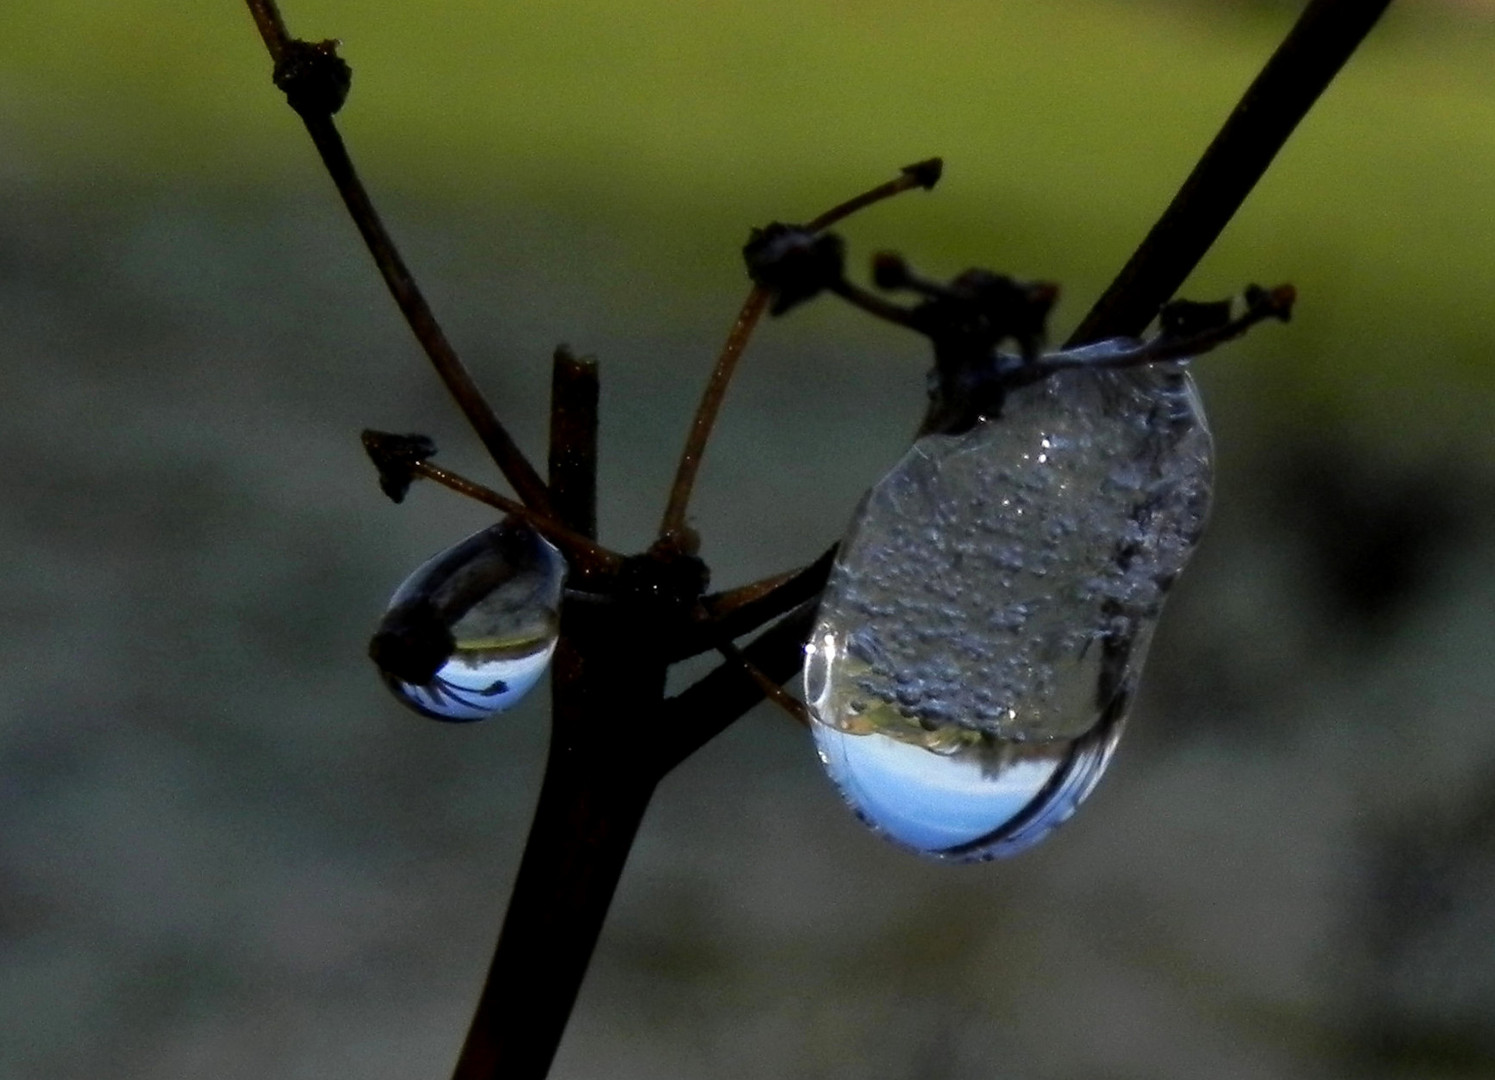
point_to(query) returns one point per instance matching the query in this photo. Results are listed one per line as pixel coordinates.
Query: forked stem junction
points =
(608, 675)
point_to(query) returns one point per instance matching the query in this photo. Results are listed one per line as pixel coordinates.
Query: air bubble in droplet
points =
(472, 630)
(1053, 644)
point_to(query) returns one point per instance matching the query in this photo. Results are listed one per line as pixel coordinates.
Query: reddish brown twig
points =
(924, 174)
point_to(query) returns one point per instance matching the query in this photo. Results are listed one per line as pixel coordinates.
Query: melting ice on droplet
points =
(974, 655)
(472, 630)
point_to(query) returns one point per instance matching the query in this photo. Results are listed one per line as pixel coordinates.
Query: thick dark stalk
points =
(1324, 37)
(573, 440)
(597, 786)
(589, 811)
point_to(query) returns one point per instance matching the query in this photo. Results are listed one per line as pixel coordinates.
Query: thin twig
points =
(921, 174)
(924, 174)
(797, 709)
(706, 412)
(714, 605)
(704, 710)
(584, 553)
(1323, 38)
(271, 26)
(1270, 304)
(412, 303)
(874, 305)
(731, 615)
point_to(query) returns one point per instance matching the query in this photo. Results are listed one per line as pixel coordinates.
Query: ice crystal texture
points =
(471, 631)
(981, 633)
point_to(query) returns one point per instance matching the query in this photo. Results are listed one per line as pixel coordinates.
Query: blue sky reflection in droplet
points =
(930, 801)
(474, 690)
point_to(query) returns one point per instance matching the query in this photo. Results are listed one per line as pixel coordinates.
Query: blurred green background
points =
(225, 851)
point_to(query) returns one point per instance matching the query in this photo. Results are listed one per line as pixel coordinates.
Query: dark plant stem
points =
(271, 26)
(773, 692)
(590, 807)
(745, 611)
(1324, 37)
(874, 305)
(505, 452)
(922, 174)
(573, 440)
(592, 799)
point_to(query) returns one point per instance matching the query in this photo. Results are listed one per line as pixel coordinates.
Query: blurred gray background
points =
(226, 851)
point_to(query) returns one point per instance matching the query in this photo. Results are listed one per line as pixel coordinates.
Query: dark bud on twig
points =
(989, 308)
(396, 456)
(792, 263)
(889, 271)
(967, 321)
(1271, 303)
(925, 173)
(664, 577)
(315, 79)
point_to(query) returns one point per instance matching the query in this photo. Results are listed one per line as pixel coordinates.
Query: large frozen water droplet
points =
(472, 630)
(991, 606)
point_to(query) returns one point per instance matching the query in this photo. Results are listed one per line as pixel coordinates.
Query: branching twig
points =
(316, 113)
(700, 713)
(797, 710)
(583, 553)
(1262, 304)
(741, 612)
(613, 733)
(924, 174)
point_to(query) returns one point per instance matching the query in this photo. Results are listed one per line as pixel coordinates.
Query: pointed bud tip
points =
(925, 173)
(395, 456)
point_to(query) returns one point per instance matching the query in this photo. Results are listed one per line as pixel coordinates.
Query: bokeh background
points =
(225, 851)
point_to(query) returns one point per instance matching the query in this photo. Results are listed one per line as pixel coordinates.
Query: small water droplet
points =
(472, 630)
(1024, 664)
